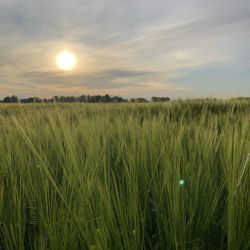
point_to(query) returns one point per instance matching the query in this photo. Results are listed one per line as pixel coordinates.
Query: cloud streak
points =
(133, 47)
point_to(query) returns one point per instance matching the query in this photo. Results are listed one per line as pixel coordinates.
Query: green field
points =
(125, 176)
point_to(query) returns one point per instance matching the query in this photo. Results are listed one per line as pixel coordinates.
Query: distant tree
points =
(117, 99)
(31, 100)
(83, 98)
(243, 98)
(12, 99)
(160, 99)
(37, 100)
(56, 98)
(7, 99)
(97, 98)
(141, 99)
(153, 99)
(71, 99)
(106, 98)
(88, 98)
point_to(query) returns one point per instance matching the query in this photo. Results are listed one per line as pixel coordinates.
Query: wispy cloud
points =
(125, 47)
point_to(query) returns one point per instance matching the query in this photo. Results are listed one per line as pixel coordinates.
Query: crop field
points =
(164, 176)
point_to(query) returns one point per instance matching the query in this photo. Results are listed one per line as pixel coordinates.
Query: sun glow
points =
(66, 60)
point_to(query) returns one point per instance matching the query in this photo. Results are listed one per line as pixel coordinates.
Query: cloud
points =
(115, 81)
(122, 46)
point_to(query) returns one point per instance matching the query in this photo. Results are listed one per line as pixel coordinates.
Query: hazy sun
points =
(66, 60)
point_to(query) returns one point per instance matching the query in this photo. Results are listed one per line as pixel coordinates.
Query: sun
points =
(66, 60)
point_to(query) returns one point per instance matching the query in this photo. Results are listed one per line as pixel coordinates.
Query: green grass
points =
(125, 176)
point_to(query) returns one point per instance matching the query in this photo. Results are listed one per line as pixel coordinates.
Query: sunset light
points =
(66, 60)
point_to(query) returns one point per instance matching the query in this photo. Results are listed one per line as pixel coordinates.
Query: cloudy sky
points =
(176, 48)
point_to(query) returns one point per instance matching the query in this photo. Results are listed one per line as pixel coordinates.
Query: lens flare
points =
(182, 182)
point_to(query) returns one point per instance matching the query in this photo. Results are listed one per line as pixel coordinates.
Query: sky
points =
(175, 48)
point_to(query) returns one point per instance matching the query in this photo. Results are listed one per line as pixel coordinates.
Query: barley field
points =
(125, 176)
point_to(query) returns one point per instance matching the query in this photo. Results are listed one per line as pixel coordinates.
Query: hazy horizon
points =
(180, 49)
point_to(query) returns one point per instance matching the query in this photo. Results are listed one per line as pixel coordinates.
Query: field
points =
(125, 176)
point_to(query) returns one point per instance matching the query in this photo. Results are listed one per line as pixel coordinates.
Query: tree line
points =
(82, 98)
